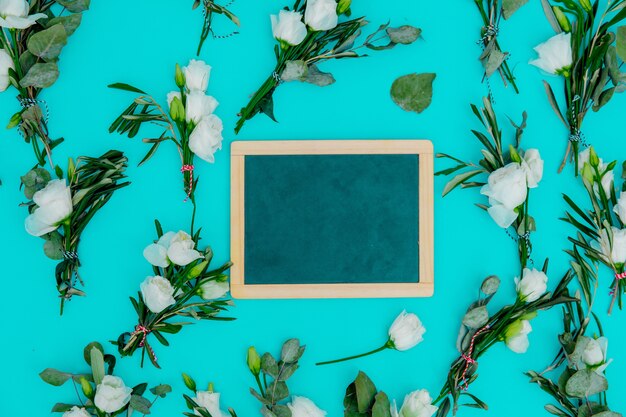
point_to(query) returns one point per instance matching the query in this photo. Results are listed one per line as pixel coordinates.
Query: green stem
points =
(387, 345)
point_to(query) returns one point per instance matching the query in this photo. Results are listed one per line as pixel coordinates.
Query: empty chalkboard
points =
(331, 219)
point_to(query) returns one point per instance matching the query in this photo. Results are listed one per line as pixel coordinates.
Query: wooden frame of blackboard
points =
(423, 288)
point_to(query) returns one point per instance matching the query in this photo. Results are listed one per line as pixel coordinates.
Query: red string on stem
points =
(188, 168)
(467, 357)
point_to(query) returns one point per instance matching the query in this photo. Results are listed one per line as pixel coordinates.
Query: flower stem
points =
(387, 345)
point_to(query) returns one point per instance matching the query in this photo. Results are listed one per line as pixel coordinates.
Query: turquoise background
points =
(139, 43)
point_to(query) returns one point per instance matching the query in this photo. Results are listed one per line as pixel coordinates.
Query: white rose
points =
(594, 354)
(14, 14)
(112, 395)
(532, 164)
(288, 28)
(507, 189)
(54, 203)
(533, 285)
(303, 407)
(197, 75)
(206, 138)
(406, 331)
(76, 412)
(321, 14)
(416, 404)
(516, 336)
(158, 293)
(615, 253)
(555, 55)
(181, 249)
(177, 248)
(620, 207)
(213, 289)
(210, 401)
(199, 105)
(6, 63)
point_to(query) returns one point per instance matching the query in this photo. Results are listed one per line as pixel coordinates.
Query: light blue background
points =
(139, 42)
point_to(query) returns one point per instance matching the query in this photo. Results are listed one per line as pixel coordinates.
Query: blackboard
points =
(332, 219)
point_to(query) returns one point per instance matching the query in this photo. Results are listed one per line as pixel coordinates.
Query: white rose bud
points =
(181, 249)
(199, 105)
(303, 407)
(197, 75)
(593, 354)
(206, 138)
(171, 96)
(516, 336)
(158, 293)
(615, 253)
(156, 253)
(54, 203)
(112, 395)
(555, 55)
(620, 207)
(321, 14)
(212, 290)
(507, 189)
(288, 28)
(532, 164)
(417, 404)
(14, 14)
(406, 331)
(76, 412)
(6, 63)
(532, 285)
(210, 401)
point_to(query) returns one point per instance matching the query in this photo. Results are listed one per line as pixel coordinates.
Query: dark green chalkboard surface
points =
(331, 219)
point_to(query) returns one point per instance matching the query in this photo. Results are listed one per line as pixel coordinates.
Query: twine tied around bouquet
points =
(491, 31)
(144, 332)
(188, 168)
(27, 102)
(207, 4)
(619, 276)
(70, 255)
(467, 357)
(277, 78)
(526, 238)
(576, 135)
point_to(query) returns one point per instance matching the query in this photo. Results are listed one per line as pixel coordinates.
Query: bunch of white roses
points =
(289, 29)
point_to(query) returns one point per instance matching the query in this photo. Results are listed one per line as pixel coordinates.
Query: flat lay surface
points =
(139, 43)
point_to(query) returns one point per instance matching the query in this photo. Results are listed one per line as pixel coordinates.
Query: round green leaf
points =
(413, 92)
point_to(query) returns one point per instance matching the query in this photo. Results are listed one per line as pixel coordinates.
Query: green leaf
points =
(291, 351)
(585, 383)
(459, 179)
(607, 414)
(620, 43)
(277, 391)
(269, 365)
(97, 365)
(48, 43)
(126, 87)
(511, 6)
(476, 318)
(54, 377)
(365, 392)
(61, 408)
(318, 78)
(413, 92)
(75, 6)
(53, 247)
(490, 285)
(494, 60)
(87, 351)
(189, 382)
(382, 406)
(161, 390)
(404, 35)
(299, 71)
(70, 22)
(140, 404)
(35, 180)
(41, 75)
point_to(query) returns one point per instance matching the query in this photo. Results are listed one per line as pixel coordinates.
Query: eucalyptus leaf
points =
(75, 6)
(97, 365)
(161, 390)
(291, 351)
(70, 22)
(620, 42)
(493, 61)
(413, 92)
(511, 6)
(35, 180)
(41, 75)
(53, 247)
(54, 377)
(476, 318)
(47, 44)
(140, 404)
(404, 35)
(490, 285)
(585, 383)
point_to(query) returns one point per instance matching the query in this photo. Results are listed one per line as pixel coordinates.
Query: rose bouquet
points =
(182, 287)
(511, 174)
(60, 210)
(601, 230)
(190, 123)
(364, 400)
(493, 58)
(104, 395)
(204, 403)
(302, 45)
(584, 54)
(210, 8)
(405, 332)
(34, 35)
(272, 395)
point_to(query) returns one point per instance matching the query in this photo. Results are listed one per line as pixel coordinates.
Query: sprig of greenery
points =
(300, 62)
(92, 182)
(96, 359)
(35, 52)
(363, 399)
(492, 57)
(209, 9)
(594, 225)
(595, 73)
(187, 282)
(495, 156)
(271, 394)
